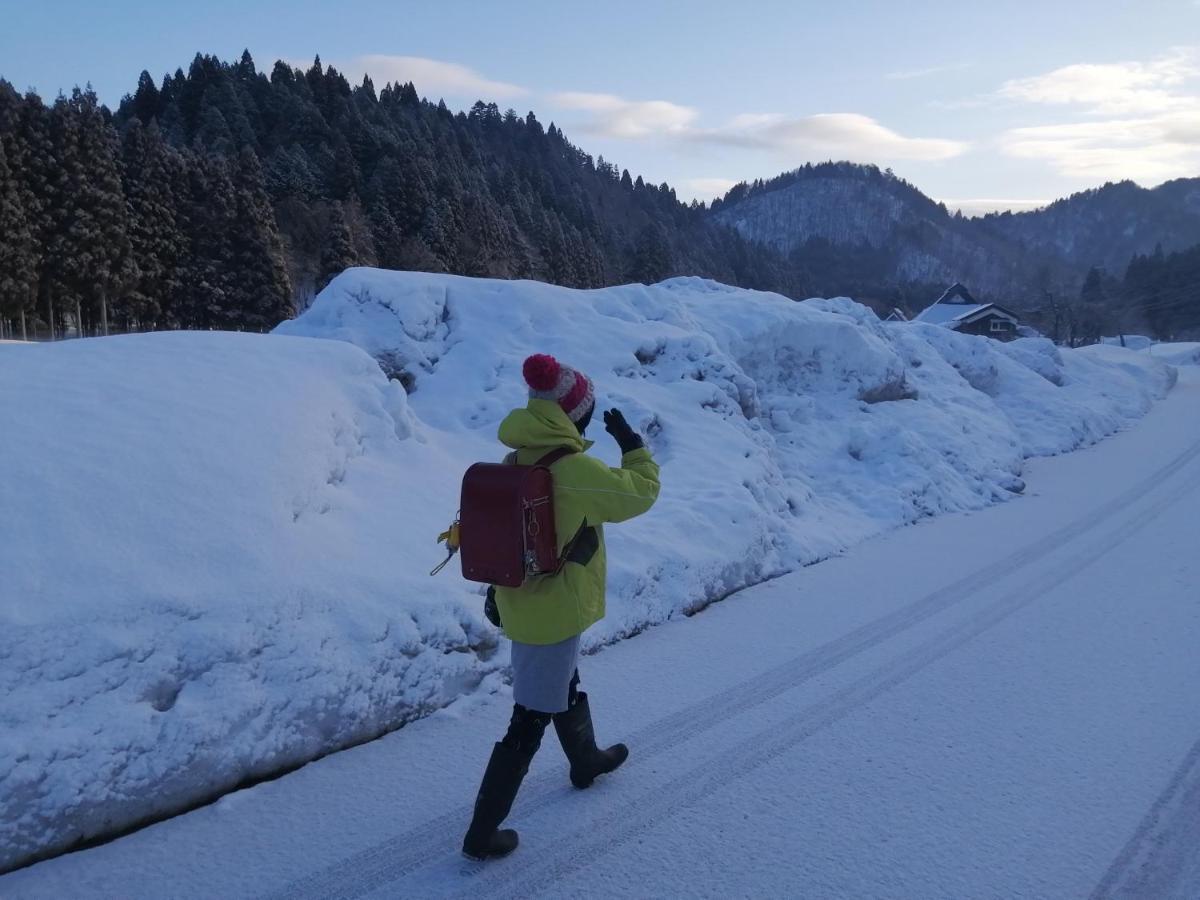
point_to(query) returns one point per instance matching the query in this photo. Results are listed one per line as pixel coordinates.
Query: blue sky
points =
(983, 105)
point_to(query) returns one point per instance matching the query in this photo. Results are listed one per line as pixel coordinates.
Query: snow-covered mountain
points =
(841, 218)
(216, 546)
(1105, 227)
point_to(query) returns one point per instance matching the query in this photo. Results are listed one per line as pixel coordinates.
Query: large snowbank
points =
(207, 572)
(215, 547)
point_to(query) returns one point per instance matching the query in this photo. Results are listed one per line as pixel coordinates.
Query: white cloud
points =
(1142, 119)
(616, 117)
(908, 74)
(840, 135)
(836, 135)
(754, 120)
(1150, 149)
(1113, 88)
(707, 188)
(432, 77)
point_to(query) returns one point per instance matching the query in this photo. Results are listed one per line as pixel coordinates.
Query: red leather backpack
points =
(506, 521)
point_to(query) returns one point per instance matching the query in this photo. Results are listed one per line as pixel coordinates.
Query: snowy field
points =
(216, 546)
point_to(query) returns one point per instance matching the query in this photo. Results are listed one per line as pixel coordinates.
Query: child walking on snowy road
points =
(546, 615)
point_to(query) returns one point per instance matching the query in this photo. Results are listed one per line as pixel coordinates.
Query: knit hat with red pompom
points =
(548, 379)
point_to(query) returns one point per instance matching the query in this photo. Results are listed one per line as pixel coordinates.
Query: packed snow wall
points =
(215, 547)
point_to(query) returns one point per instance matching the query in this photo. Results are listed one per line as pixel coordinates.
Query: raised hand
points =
(627, 439)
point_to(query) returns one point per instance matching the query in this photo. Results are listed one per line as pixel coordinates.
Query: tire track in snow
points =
(1162, 858)
(657, 804)
(402, 854)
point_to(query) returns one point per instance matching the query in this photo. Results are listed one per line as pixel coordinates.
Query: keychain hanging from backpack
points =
(449, 537)
(508, 511)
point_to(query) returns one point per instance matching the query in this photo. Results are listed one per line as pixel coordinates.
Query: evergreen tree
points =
(436, 228)
(416, 194)
(41, 172)
(385, 234)
(89, 243)
(207, 219)
(145, 102)
(344, 177)
(338, 252)
(556, 262)
(246, 69)
(17, 259)
(153, 179)
(1093, 293)
(24, 211)
(651, 256)
(261, 292)
(1089, 318)
(213, 133)
(289, 174)
(103, 265)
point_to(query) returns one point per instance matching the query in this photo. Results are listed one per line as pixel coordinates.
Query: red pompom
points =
(541, 372)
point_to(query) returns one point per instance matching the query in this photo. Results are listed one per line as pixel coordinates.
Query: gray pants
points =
(542, 674)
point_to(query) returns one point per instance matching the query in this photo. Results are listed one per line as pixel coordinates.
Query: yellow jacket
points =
(547, 609)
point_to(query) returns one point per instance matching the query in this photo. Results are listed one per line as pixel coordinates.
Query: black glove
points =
(490, 610)
(627, 439)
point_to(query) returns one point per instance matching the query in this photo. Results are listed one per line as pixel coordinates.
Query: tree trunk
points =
(78, 318)
(24, 336)
(104, 311)
(50, 312)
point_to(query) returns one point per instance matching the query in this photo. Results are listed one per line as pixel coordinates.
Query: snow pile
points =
(1129, 341)
(208, 573)
(1181, 354)
(216, 546)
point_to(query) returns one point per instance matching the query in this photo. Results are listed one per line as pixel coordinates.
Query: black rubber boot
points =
(502, 779)
(578, 741)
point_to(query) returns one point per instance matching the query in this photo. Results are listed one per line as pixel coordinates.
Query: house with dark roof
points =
(957, 310)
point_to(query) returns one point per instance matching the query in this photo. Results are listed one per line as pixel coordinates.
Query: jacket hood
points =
(541, 424)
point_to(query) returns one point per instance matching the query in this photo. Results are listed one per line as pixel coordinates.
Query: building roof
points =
(958, 293)
(956, 307)
(948, 313)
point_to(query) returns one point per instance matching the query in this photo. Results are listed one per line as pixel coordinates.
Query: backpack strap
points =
(546, 462)
(554, 456)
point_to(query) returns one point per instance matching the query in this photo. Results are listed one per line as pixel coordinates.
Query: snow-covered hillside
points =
(215, 548)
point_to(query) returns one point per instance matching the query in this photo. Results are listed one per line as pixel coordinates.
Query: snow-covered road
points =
(1000, 704)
